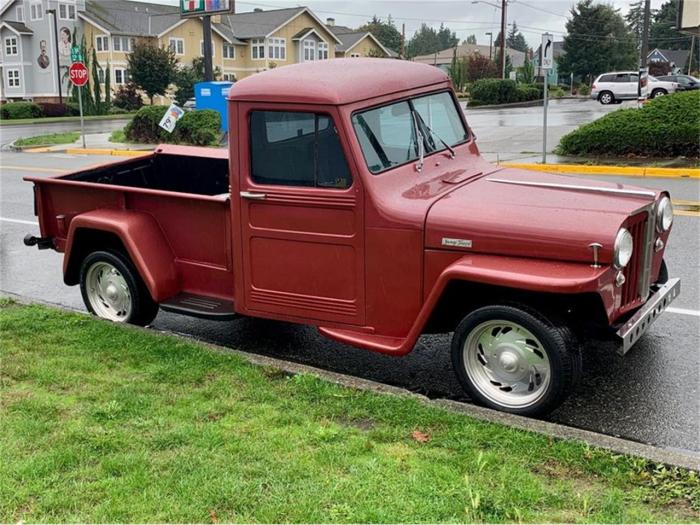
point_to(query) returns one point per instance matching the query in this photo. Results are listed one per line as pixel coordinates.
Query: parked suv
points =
(685, 82)
(613, 88)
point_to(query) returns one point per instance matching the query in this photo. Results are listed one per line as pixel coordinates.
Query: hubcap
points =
(606, 99)
(108, 292)
(507, 364)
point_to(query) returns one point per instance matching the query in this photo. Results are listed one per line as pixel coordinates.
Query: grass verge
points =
(50, 139)
(103, 423)
(47, 120)
(118, 136)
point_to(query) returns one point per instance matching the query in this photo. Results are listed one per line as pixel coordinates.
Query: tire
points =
(112, 289)
(663, 274)
(606, 97)
(540, 361)
(658, 93)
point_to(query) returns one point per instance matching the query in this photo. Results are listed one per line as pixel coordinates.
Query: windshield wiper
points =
(449, 148)
(419, 141)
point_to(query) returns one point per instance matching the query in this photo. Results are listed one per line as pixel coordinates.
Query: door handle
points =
(253, 196)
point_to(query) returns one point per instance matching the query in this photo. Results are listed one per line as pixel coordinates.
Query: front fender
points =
(142, 238)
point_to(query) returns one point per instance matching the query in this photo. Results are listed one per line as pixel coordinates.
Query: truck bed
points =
(183, 190)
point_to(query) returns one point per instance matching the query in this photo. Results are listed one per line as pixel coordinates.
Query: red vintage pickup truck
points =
(353, 198)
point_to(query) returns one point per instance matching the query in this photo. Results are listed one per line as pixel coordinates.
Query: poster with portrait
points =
(65, 42)
(43, 59)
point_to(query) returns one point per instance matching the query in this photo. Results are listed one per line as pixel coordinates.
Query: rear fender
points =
(140, 236)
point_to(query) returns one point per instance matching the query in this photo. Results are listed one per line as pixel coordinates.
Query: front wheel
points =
(112, 289)
(515, 360)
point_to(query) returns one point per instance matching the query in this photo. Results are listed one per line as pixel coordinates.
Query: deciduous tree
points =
(152, 68)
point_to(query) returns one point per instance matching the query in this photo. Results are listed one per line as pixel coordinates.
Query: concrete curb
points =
(613, 444)
(627, 171)
(91, 151)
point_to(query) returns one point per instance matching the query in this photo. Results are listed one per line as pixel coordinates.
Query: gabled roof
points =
(17, 27)
(6, 7)
(260, 24)
(517, 58)
(131, 18)
(679, 57)
(351, 37)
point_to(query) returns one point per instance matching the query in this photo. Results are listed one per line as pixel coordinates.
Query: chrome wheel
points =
(507, 364)
(108, 292)
(606, 98)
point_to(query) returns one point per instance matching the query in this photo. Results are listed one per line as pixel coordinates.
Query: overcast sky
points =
(462, 16)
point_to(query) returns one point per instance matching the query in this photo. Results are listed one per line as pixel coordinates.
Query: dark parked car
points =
(685, 82)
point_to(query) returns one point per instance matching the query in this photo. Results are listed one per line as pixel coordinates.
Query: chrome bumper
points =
(639, 323)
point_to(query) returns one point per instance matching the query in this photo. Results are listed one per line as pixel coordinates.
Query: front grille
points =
(636, 269)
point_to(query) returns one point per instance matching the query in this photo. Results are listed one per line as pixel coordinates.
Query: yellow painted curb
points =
(627, 171)
(37, 150)
(111, 152)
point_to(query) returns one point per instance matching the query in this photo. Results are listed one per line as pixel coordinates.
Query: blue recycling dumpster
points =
(212, 95)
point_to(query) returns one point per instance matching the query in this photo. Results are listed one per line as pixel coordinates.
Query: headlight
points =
(623, 248)
(664, 215)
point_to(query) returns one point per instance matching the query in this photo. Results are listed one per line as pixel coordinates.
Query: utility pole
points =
(504, 5)
(57, 58)
(645, 35)
(690, 57)
(207, 51)
(403, 40)
(490, 45)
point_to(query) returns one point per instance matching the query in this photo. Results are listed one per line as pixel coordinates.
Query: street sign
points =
(170, 118)
(547, 51)
(75, 54)
(78, 74)
(205, 7)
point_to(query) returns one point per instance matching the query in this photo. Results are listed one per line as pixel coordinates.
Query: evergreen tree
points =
(96, 89)
(516, 40)
(108, 87)
(471, 39)
(663, 33)
(635, 19)
(446, 38)
(423, 42)
(597, 41)
(385, 32)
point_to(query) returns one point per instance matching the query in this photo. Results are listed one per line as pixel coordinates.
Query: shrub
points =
(73, 109)
(556, 92)
(666, 126)
(200, 128)
(494, 91)
(584, 89)
(116, 111)
(128, 98)
(50, 109)
(17, 110)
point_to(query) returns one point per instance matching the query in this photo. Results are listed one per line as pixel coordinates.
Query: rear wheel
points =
(606, 97)
(112, 289)
(515, 360)
(658, 93)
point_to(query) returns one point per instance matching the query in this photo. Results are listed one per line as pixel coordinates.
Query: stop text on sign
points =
(78, 74)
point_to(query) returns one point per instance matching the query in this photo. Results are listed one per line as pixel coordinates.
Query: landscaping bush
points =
(497, 91)
(584, 89)
(52, 109)
(664, 127)
(117, 111)
(17, 110)
(200, 128)
(128, 98)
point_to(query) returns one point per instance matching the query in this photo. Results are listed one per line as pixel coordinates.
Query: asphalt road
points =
(651, 395)
(10, 133)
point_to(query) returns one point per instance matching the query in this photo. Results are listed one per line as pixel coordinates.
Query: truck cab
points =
(353, 198)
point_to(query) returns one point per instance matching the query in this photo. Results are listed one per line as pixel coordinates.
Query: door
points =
(301, 220)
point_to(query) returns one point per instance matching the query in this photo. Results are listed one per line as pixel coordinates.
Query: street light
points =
(503, 7)
(490, 43)
(58, 63)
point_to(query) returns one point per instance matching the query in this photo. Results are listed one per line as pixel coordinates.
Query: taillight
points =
(595, 86)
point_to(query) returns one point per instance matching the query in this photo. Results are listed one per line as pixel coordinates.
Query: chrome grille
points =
(638, 270)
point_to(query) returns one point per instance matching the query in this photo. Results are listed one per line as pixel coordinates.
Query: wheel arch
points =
(137, 235)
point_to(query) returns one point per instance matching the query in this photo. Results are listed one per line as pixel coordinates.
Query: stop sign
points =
(78, 74)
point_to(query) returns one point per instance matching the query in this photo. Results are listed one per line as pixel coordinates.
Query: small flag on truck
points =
(170, 118)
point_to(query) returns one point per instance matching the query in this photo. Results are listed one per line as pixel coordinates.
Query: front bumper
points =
(637, 325)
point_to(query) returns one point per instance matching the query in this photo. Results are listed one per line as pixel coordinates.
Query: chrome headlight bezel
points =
(664, 215)
(623, 248)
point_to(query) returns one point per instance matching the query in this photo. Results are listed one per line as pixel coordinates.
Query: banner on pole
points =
(171, 117)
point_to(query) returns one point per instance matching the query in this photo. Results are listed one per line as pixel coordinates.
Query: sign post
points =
(78, 75)
(546, 60)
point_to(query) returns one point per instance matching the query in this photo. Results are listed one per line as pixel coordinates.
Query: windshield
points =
(389, 135)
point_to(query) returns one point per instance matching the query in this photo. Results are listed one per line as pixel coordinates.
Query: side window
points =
(607, 78)
(633, 78)
(296, 149)
(623, 77)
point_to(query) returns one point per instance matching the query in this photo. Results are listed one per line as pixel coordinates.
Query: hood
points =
(530, 214)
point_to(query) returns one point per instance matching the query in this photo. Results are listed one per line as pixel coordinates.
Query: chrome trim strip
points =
(594, 189)
(639, 323)
(645, 276)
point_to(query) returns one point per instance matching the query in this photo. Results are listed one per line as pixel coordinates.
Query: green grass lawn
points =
(45, 140)
(46, 120)
(104, 423)
(117, 136)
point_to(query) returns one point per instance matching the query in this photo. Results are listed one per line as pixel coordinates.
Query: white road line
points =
(19, 221)
(683, 311)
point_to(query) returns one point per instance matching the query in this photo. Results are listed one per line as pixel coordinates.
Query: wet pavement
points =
(652, 395)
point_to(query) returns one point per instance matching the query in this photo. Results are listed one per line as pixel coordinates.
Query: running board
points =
(200, 306)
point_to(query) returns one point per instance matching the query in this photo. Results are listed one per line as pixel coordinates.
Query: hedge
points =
(17, 110)
(664, 127)
(200, 128)
(497, 91)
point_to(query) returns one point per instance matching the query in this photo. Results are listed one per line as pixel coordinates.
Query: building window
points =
(229, 51)
(230, 77)
(13, 78)
(201, 48)
(101, 76)
(355, 55)
(309, 50)
(11, 48)
(66, 11)
(257, 48)
(102, 43)
(121, 76)
(122, 43)
(322, 50)
(20, 13)
(177, 45)
(36, 11)
(297, 149)
(277, 48)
